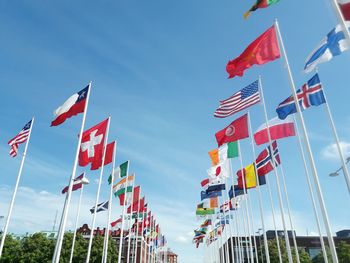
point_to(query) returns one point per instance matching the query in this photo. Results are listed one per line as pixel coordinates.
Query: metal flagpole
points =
(224, 213)
(259, 195)
(290, 215)
(149, 240)
(279, 193)
(335, 134)
(122, 226)
(98, 194)
(130, 223)
(63, 222)
(15, 190)
(311, 157)
(244, 230)
(341, 19)
(246, 208)
(142, 229)
(311, 191)
(230, 220)
(137, 229)
(105, 245)
(252, 227)
(76, 222)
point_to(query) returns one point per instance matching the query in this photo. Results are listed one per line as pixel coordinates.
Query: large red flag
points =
(262, 50)
(237, 130)
(136, 196)
(137, 206)
(92, 145)
(109, 152)
(345, 8)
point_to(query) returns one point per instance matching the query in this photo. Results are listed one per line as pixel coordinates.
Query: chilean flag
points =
(345, 8)
(77, 183)
(278, 129)
(73, 106)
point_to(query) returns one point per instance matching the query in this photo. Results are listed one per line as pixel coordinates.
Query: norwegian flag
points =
(21, 137)
(264, 161)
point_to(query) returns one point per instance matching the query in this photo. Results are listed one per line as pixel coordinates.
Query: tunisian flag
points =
(238, 129)
(92, 145)
(345, 8)
(278, 129)
(73, 106)
(262, 50)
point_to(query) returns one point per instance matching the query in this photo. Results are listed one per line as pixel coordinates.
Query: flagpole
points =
(311, 191)
(267, 253)
(130, 223)
(226, 243)
(149, 240)
(122, 226)
(244, 230)
(252, 227)
(98, 193)
(110, 200)
(279, 193)
(313, 165)
(142, 229)
(76, 222)
(341, 19)
(230, 220)
(137, 227)
(63, 222)
(15, 190)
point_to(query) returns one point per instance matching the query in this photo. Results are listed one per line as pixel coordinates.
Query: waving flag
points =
(225, 151)
(332, 45)
(264, 163)
(116, 224)
(77, 183)
(345, 8)
(220, 171)
(249, 177)
(21, 137)
(259, 4)
(237, 130)
(100, 207)
(205, 195)
(241, 100)
(278, 129)
(311, 94)
(73, 106)
(262, 50)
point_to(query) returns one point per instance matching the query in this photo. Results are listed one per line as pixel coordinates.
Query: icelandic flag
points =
(73, 106)
(311, 94)
(332, 45)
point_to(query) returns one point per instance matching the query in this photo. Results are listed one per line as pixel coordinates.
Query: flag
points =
(204, 211)
(225, 151)
(124, 185)
(278, 129)
(120, 171)
(238, 191)
(262, 50)
(259, 4)
(237, 130)
(214, 202)
(241, 100)
(220, 171)
(100, 207)
(136, 195)
(206, 223)
(311, 94)
(116, 224)
(21, 137)
(205, 195)
(73, 106)
(109, 153)
(215, 187)
(332, 45)
(264, 160)
(345, 8)
(92, 145)
(77, 183)
(137, 206)
(205, 183)
(249, 177)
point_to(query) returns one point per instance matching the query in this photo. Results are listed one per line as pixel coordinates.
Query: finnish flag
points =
(332, 45)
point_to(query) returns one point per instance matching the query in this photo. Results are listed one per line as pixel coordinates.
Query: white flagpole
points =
(341, 19)
(311, 157)
(252, 227)
(15, 190)
(121, 241)
(311, 191)
(244, 230)
(229, 226)
(290, 215)
(279, 193)
(76, 222)
(142, 229)
(105, 244)
(130, 223)
(98, 193)
(137, 229)
(225, 243)
(336, 137)
(267, 253)
(63, 222)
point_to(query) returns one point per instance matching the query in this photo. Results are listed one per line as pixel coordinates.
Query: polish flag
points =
(278, 129)
(73, 106)
(92, 145)
(77, 183)
(116, 224)
(345, 8)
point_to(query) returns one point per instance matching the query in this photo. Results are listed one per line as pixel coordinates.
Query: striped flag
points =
(21, 137)
(239, 101)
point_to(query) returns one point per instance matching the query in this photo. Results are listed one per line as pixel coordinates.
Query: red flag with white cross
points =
(92, 145)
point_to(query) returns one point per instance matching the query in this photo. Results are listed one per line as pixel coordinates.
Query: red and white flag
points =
(92, 145)
(21, 137)
(278, 129)
(116, 224)
(109, 153)
(345, 8)
(237, 130)
(77, 183)
(73, 106)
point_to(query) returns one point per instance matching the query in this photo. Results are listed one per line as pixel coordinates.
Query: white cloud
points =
(330, 152)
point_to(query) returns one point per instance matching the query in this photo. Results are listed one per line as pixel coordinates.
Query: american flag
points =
(21, 137)
(240, 100)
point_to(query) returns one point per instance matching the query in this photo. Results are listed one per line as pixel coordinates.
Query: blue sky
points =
(158, 68)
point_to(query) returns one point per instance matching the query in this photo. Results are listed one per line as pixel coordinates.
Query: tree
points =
(343, 251)
(304, 256)
(12, 250)
(37, 248)
(319, 258)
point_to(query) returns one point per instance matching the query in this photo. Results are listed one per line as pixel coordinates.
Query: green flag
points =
(120, 171)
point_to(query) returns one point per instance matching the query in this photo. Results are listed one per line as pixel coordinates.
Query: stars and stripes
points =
(241, 100)
(21, 137)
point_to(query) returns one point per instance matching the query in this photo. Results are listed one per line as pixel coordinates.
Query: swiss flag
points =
(237, 130)
(92, 145)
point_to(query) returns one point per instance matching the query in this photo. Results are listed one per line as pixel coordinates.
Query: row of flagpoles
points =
(92, 148)
(228, 226)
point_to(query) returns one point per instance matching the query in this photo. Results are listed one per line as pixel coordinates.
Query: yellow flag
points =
(250, 176)
(214, 156)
